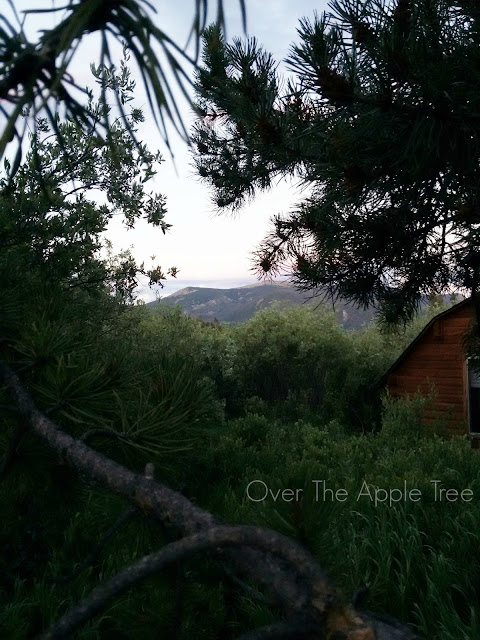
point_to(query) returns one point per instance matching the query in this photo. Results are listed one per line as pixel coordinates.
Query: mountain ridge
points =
(238, 304)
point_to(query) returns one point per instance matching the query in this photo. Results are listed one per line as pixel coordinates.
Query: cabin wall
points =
(438, 359)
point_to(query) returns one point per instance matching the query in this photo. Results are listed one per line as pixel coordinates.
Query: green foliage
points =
(151, 387)
(63, 326)
(379, 120)
(299, 362)
(157, 380)
(411, 571)
(137, 401)
(50, 217)
(89, 361)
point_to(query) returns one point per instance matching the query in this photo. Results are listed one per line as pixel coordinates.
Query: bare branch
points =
(210, 540)
(288, 572)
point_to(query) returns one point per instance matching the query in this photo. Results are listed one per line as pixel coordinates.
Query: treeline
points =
(294, 362)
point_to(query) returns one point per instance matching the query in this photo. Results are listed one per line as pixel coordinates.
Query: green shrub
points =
(302, 364)
(419, 559)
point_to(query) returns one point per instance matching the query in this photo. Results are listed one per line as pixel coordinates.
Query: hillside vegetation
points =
(242, 303)
(232, 417)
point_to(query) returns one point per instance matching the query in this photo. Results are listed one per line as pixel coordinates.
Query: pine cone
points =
(334, 86)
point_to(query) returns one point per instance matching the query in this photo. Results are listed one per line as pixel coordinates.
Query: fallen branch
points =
(210, 540)
(295, 581)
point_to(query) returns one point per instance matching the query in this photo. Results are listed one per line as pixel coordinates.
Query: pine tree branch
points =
(292, 576)
(411, 111)
(34, 73)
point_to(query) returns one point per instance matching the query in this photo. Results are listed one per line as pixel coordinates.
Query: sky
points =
(206, 247)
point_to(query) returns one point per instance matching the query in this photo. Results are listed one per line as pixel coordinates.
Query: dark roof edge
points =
(406, 351)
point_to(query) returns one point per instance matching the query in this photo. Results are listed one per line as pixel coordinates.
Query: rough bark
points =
(291, 576)
(210, 540)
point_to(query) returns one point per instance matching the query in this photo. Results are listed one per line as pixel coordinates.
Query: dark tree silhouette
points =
(381, 122)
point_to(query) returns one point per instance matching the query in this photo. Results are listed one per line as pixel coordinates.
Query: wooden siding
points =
(436, 359)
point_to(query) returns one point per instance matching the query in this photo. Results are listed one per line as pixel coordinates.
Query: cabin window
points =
(474, 395)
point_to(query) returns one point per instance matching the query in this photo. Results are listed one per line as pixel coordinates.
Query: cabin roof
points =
(416, 340)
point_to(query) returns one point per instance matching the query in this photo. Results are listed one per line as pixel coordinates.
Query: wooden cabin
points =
(436, 358)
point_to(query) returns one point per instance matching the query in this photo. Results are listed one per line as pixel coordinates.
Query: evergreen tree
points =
(380, 121)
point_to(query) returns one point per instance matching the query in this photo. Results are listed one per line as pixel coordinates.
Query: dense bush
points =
(419, 560)
(300, 363)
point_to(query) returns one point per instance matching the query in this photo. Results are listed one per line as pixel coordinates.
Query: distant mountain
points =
(241, 303)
